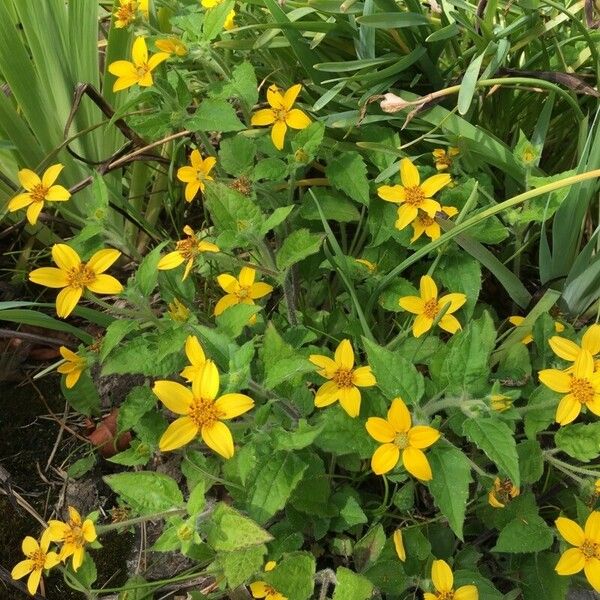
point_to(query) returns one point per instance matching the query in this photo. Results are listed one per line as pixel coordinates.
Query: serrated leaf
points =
(580, 440)
(214, 115)
(278, 216)
(240, 565)
(115, 332)
(236, 154)
(138, 402)
(369, 547)
(351, 586)
(524, 535)
(83, 397)
(347, 172)
(232, 211)
(293, 576)
(286, 369)
(297, 246)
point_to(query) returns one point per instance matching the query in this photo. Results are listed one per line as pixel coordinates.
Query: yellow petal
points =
(58, 193)
(327, 394)
(592, 572)
(568, 410)
(556, 380)
(380, 430)
(416, 463)
(409, 174)
(218, 437)
(174, 396)
(187, 174)
(455, 301)
(105, 284)
(584, 365)
(103, 259)
(33, 581)
(74, 516)
(398, 416)
(406, 215)
(326, 365)
(78, 556)
(28, 179)
(262, 117)
(228, 283)
(233, 405)
(422, 436)
(157, 59)
(392, 193)
(349, 399)
(146, 79)
(33, 212)
(191, 372)
(123, 68)
(139, 51)
(278, 134)
(296, 119)
(67, 300)
(421, 325)
(399, 545)
(441, 575)
(571, 562)
(194, 351)
(247, 276)
(122, 83)
(258, 290)
(363, 377)
(68, 354)
(191, 189)
(413, 304)
(434, 184)
(72, 378)
(290, 96)
(385, 458)
(179, 433)
(259, 589)
(274, 97)
(591, 339)
(29, 545)
(65, 257)
(19, 202)
(592, 527)
(21, 569)
(431, 207)
(170, 261)
(208, 164)
(449, 323)
(207, 385)
(466, 592)
(344, 355)
(51, 175)
(224, 303)
(51, 561)
(428, 288)
(564, 348)
(429, 596)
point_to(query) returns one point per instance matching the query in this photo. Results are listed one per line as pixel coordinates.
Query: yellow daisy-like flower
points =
(195, 354)
(401, 440)
(424, 224)
(413, 195)
(581, 387)
(38, 191)
(502, 492)
(261, 589)
(570, 351)
(74, 535)
(76, 276)
(428, 306)
(344, 379)
(178, 311)
(196, 174)
(517, 321)
(500, 402)
(186, 251)
(171, 46)
(399, 545)
(281, 114)
(38, 559)
(242, 290)
(72, 368)
(443, 582)
(586, 553)
(443, 159)
(229, 21)
(127, 12)
(201, 413)
(139, 70)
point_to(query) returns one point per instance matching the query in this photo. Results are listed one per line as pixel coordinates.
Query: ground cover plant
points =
(321, 283)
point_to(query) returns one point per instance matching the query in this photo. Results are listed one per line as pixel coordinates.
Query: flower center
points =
(431, 308)
(425, 219)
(414, 195)
(243, 293)
(343, 378)
(38, 193)
(280, 114)
(204, 412)
(188, 247)
(81, 276)
(38, 558)
(582, 389)
(446, 595)
(504, 491)
(142, 69)
(590, 549)
(75, 535)
(401, 440)
(126, 12)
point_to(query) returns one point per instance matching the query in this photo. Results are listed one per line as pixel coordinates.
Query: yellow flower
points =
(261, 589)
(127, 10)
(502, 492)
(195, 354)
(38, 559)
(210, 3)
(229, 21)
(569, 351)
(443, 158)
(500, 402)
(195, 174)
(413, 195)
(428, 306)
(597, 487)
(38, 191)
(399, 438)
(73, 366)
(424, 224)
(172, 46)
(517, 321)
(75, 276)
(201, 413)
(281, 114)
(186, 250)
(178, 311)
(581, 386)
(241, 291)
(443, 582)
(367, 263)
(399, 545)
(586, 554)
(74, 535)
(344, 379)
(139, 71)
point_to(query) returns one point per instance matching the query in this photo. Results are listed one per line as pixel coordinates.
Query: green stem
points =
(559, 464)
(173, 512)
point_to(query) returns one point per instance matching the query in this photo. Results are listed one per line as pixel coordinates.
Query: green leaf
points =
(147, 274)
(82, 466)
(234, 318)
(214, 115)
(450, 484)
(138, 454)
(115, 332)
(369, 547)
(138, 402)
(495, 438)
(467, 86)
(83, 397)
(351, 586)
(540, 410)
(278, 216)
(240, 565)
(396, 376)
(347, 172)
(531, 461)
(335, 207)
(539, 578)
(272, 169)
(580, 441)
(286, 369)
(214, 19)
(393, 20)
(343, 435)
(303, 436)
(228, 530)
(39, 319)
(273, 485)
(293, 576)
(236, 154)
(521, 536)
(242, 84)
(146, 492)
(297, 246)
